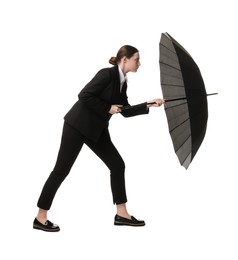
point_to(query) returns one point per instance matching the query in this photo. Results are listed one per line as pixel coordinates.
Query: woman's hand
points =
(157, 102)
(115, 109)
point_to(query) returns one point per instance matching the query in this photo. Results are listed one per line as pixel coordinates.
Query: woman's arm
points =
(135, 110)
(142, 108)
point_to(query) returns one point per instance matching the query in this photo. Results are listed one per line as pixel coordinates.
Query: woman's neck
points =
(123, 69)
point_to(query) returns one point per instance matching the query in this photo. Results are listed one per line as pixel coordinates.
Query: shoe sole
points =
(128, 224)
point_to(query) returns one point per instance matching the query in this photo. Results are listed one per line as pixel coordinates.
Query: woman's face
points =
(133, 63)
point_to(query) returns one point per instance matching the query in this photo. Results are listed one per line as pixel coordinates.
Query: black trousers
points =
(71, 144)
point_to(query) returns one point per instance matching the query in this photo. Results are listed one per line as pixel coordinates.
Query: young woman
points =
(87, 123)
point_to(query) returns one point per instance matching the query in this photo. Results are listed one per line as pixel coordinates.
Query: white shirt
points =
(123, 77)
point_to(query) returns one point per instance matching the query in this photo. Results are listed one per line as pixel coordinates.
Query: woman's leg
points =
(108, 153)
(122, 211)
(71, 144)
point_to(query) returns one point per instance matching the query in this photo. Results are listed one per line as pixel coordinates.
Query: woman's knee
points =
(118, 166)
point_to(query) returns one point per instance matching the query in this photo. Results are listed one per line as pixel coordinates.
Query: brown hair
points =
(126, 50)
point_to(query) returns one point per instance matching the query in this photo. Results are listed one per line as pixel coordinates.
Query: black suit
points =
(87, 122)
(90, 114)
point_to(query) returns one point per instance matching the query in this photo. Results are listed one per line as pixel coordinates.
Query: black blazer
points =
(90, 114)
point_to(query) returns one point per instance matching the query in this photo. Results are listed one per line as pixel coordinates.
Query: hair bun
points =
(113, 60)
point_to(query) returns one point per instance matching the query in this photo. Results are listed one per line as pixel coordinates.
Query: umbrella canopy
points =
(186, 98)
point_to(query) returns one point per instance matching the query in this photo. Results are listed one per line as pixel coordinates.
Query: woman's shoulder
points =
(112, 69)
(104, 75)
(107, 72)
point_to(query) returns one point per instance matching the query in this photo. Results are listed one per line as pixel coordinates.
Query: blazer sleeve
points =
(90, 94)
(140, 109)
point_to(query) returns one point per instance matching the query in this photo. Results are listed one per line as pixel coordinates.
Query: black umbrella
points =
(186, 98)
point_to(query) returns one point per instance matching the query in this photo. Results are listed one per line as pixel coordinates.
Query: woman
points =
(87, 123)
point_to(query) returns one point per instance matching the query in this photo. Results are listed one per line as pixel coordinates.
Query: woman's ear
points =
(124, 59)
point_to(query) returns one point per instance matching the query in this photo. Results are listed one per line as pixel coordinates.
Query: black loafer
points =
(120, 221)
(48, 226)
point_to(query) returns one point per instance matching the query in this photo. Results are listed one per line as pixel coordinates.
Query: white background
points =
(48, 51)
